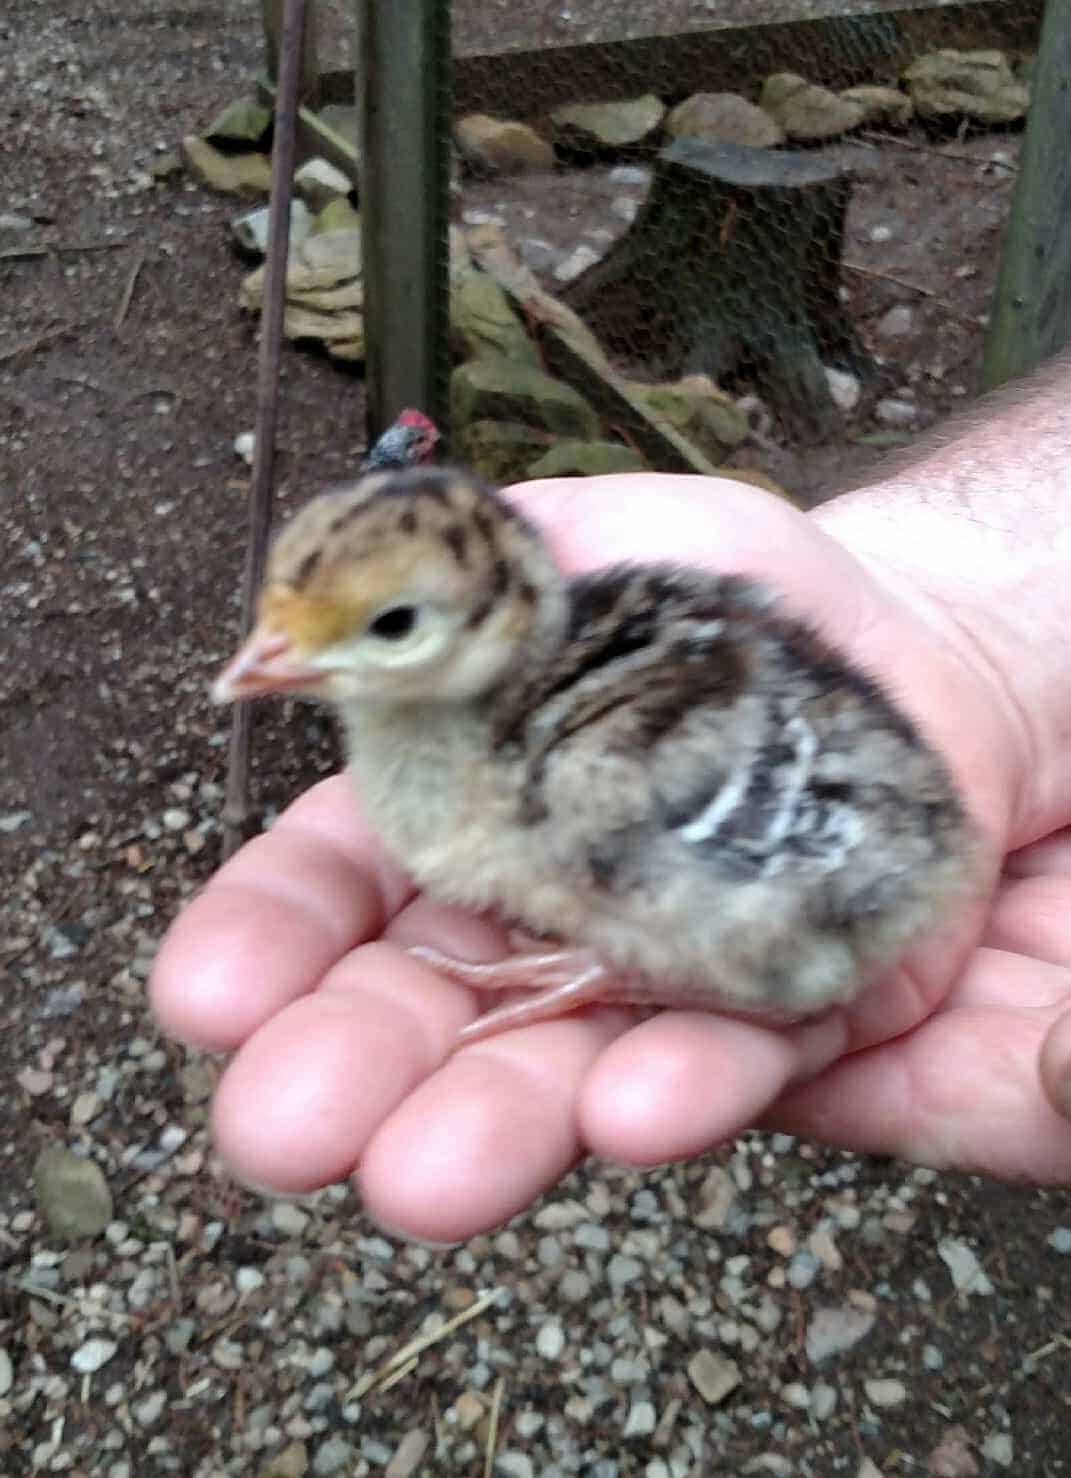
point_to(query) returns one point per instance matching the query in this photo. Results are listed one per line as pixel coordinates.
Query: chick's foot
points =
(566, 980)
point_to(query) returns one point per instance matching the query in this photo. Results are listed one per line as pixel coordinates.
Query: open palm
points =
(292, 954)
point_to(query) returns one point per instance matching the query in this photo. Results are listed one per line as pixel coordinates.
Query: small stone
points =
(12, 821)
(631, 176)
(93, 1354)
(843, 387)
(559, 1216)
(782, 1240)
(578, 261)
(336, 1455)
(575, 1286)
(288, 1219)
(641, 1420)
(469, 1408)
(248, 1279)
(831, 1331)
(796, 1394)
(84, 1109)
(244, 444)
(967, 1274)
(291, 1462)
(1060, 1240)
(803, 1269)
(895, 322)
(999, 1449)
(716, 1196)
(149, 1411)
(892, 411)
(952, 1457)
(512, 1464)
(34, 1081)
(175, 819)
(550, 1341)
(868, 1469)
(713, 1376)
(932, 1358)
(885, 1392)
(71, 1193)
(11, 221)
(623, 1270)
(408, 1455)
(823, 1401)
(592, 1237)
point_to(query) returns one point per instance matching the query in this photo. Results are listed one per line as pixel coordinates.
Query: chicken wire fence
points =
(691, 235)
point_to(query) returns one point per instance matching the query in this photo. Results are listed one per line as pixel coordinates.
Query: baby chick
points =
(689, 788)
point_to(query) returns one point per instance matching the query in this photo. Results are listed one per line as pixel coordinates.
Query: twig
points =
(13, 253)
(406, 1356)
(85, 1306)
(128, 291)
(30, 346)
(872, 136)
(492, 1427)
(911, 287)
(236, 802)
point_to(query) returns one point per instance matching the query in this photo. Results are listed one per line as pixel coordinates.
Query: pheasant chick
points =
(706, 804)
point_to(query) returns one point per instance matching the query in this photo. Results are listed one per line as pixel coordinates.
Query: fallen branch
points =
(128, 291)
(236, 801)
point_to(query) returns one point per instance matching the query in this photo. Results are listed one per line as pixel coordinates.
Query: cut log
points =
(733, 267)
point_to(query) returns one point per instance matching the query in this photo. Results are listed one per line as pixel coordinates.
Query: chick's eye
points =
(394, 623)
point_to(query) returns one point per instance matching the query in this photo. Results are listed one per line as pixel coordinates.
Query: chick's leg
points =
(566, 979)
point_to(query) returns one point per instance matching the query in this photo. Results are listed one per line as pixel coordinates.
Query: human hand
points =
(292, 954)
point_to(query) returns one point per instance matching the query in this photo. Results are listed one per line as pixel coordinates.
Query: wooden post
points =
(271, 15)
(402, 88)
(1031, 315)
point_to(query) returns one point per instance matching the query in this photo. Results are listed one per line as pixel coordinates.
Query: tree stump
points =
(733, 266)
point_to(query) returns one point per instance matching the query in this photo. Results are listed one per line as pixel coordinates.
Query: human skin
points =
(948, 581)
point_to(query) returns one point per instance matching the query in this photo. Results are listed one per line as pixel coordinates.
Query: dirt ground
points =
(126, 371)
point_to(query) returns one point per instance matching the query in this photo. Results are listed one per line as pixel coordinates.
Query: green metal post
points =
(1031, 315)
(402, 65)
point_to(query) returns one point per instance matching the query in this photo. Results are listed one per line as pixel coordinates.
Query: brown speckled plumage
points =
(689, 788)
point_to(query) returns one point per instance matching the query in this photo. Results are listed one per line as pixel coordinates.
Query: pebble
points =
(796, 1394)
(336, 1455)
(782, 1240)
(592, 1237)
(803, 1269)
(634, 176)
(1060, 1240)
(885, 1392)
(716, 1197)
(713, 1376)
(831, 1331)
(893, 412)
(823, 1401)
(149, 1411)
(999, 1449)
(844, 388)
(12, 821)
(288, 1219)
(575, 1286)
(579, 260)
(513, 1464)
(90, 1356)
(967, 1274)
(641, 1420)
(932, 1358)
(895, 322)
(550, 1341)
(244, 444)
(175, 819)
(622, 1270)
(7, 1372)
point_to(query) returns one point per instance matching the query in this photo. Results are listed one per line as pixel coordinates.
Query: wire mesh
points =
(707, 235)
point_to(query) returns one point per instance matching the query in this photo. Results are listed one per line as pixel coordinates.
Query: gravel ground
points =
(776, 1308)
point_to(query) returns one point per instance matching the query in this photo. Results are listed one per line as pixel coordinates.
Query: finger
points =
(683, 1081)
(484, 1137)
(962, 1091)
(301, 1098)
(273, 920)
(1049, 856)
(1032, 916)
(1055, 1065)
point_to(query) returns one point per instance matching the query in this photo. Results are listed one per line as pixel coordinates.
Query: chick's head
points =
(419, 585)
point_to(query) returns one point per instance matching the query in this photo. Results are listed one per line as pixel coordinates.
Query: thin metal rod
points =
(236, 803)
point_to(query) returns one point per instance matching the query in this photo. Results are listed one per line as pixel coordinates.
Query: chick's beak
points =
(265, 663)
